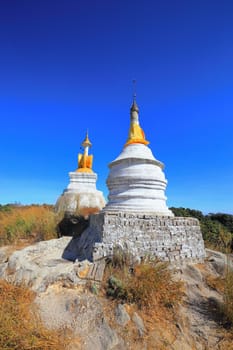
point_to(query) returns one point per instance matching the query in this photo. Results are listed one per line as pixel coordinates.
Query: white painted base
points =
(81, 196)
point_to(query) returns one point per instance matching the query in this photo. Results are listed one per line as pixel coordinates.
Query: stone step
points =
(100, 270)
(96, 271)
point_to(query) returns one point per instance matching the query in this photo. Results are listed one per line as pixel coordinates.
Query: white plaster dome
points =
(137, 151)
(81, 196)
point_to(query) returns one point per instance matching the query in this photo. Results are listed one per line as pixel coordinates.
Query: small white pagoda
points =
(136, 181)
(81, 196)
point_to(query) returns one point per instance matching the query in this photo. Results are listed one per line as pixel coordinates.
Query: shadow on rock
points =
(210, 309)
(84, 238)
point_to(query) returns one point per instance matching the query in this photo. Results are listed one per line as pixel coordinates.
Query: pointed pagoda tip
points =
(134, 106)
(86, 142)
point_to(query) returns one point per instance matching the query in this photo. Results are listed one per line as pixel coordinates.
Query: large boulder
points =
(41, 265)
(83, 313)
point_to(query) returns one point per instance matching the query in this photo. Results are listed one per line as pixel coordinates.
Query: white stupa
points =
(81, 196)
(136, 181)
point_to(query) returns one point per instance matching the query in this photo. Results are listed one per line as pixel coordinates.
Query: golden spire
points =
(84, 160)
(86, 142)
(136, 134)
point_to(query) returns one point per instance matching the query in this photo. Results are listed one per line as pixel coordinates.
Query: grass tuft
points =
(147, 284)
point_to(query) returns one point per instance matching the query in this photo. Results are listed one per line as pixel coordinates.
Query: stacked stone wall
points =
(168, 238)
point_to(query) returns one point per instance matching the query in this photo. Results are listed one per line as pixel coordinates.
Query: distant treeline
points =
(217, 229)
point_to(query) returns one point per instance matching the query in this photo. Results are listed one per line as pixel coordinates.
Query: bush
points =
(217, 229)
(117, 288)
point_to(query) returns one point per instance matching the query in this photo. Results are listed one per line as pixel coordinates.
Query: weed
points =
(121, 258)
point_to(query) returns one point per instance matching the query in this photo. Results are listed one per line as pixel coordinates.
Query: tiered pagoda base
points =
(167, 238)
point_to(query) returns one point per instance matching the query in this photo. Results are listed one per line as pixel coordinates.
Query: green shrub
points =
(5, 208)
(217, 229)
(116, 289)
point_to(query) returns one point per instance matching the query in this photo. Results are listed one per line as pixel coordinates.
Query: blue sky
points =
(68, 65)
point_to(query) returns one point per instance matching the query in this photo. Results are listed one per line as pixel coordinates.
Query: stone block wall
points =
(168, 238)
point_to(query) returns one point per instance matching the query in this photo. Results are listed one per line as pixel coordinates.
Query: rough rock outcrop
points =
(83, 313)
(41, 265)
(64, 302)
(122, 316)
(61, 297)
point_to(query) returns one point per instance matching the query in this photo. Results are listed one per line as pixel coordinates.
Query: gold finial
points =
(86, 142)
(136, 134)
(84, 160)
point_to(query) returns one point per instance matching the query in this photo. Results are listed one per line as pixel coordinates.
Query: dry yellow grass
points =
(148, 285)
(228, 296)
(30, 223)
(215, 283)
(150, 290)
(20, 327)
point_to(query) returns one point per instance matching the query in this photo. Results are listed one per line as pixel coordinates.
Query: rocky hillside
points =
(70, 297)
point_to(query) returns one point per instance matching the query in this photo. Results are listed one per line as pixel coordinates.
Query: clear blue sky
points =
(67, 65)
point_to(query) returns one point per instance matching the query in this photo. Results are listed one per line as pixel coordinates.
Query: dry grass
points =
(228, 296)
(148, 285)
(20, 328)
(150, 290)
(30, 223)
(215, 283)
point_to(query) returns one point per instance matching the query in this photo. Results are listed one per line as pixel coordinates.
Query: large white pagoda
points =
(136, 181)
